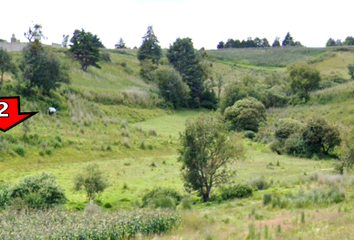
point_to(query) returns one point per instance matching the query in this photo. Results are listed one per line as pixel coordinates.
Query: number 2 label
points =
(3, 109)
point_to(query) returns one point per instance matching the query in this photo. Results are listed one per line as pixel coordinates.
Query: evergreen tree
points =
(348, 41)
(330, 42)
(120, 44)
(230, 43)
(185, 60)
(237, 43)
(276, 42)
(221, 45)
(150, 49)
(265, 43)
(85, 48)
(258, 42)
(338, 42)
(288, 40)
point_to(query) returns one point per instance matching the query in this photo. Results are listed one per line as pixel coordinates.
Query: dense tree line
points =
(258, 43)
(349, 41)
(187, 81)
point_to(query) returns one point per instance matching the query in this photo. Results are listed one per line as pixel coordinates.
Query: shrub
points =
(276, 146)
(92, 179)
(237, 191)
(163, 202)
(171, 86)
(295, 145)
(152, 132)
(246, 114)
(20, 151)
(40, 191)
(259, 182)
(156, 196)
(267, 198)
(249, 134)
(186, 203)
(147, 71)
(286, 127)
(4, 194)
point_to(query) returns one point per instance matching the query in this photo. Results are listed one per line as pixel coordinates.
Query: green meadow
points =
(114, 118)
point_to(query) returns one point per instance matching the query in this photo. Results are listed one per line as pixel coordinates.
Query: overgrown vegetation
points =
(56, 224)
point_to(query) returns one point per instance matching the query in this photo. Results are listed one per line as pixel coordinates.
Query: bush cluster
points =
(237, 191)
(245, 114)
(40, 191)
(162, 198)
(316, 136)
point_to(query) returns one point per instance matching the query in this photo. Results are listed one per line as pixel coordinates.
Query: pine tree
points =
(120, 44)
(331, 42)
(150, 49)
(221, 45)
(288, 40)
(185, 60)
(276, 42)
(85, 48)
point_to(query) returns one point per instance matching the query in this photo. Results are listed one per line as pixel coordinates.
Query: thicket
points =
(57, 224)
(37, 192)
(236, 191)
(245, 114)
(171, 87)
(162, 198)
(272, 90)
(42, 70)
(315, 137)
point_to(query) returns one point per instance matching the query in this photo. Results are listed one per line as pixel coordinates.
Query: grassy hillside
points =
(271, 57)
(112, 117)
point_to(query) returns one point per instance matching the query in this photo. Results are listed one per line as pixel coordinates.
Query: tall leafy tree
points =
(348, 41)
(288, 40)
(206, 151)
(34, 32)
(6, 65)
(303, 79)
(150, 48)
(41, 69)
(120, 44)
(85, 48)
(185, 60)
